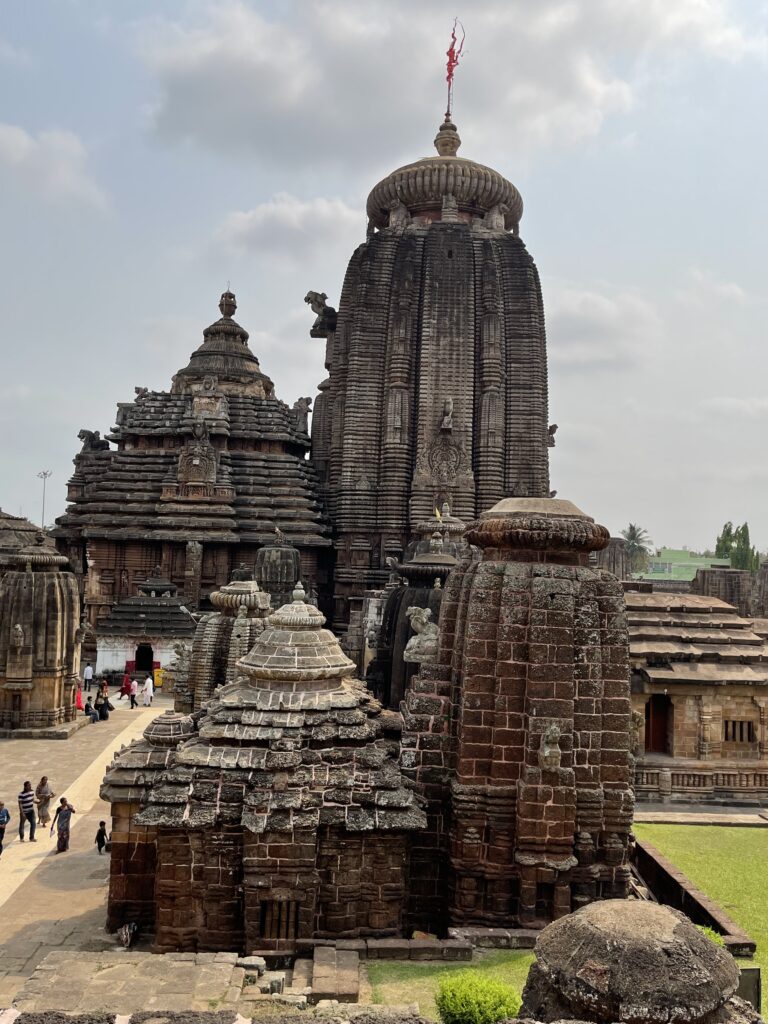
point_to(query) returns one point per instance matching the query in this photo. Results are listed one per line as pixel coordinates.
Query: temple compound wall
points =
(518, 736)
(699, 699)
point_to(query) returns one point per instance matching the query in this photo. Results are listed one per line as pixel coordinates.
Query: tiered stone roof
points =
(296, 742)
(15, 532)
(691, 638)
(257, 476)
(155, 612)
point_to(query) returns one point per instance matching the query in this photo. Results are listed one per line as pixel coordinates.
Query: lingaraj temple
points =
(410, 693)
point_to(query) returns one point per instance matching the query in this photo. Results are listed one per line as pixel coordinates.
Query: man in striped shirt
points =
(27, 812)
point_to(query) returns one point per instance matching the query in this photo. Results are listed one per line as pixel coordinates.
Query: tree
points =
(734, 544)
(638, 545)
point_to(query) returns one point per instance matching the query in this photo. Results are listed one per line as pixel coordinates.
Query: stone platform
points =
(62, 731)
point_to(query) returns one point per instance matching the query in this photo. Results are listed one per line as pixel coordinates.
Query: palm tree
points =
(638, 546)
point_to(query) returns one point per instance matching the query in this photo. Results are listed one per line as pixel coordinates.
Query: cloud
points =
(702, 286)
(51, 164)
(293, 230)
(333, 77)
(734, 407)
(591, 331)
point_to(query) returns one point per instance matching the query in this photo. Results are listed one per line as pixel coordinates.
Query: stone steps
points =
(335, 975)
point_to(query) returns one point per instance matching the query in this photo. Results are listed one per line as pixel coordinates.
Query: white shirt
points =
(149, 685)
(88, 672)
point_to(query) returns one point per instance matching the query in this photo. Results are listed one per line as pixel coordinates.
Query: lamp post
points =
(43, 475)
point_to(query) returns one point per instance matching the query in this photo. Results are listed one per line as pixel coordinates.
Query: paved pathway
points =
(702, 814)
(50, 901)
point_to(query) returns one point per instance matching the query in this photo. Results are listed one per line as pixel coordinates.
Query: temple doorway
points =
(658, 724)
(144, 658)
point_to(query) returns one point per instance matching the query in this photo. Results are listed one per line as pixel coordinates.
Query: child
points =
(101, 837)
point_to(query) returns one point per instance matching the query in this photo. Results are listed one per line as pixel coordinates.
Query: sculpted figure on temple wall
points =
(494, 219)
(301, 412)
(549, 751)
(447, 421)
(92, 441)
(422, 647)
(398, 214)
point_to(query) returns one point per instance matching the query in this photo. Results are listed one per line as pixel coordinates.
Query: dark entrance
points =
(144, 657)
(658, 724)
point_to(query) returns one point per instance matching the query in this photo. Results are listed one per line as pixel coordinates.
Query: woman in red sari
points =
(61, 822)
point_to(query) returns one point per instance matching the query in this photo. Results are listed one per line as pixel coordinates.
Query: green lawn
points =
(415, 981)
(729, 864)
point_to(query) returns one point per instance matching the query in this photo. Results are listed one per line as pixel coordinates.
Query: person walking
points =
(101, 837)
(27, 812)
(134, 692)
(44, 795)
(5, 817)
(125, 689)
(61, 822)
(88, 677)
(148, 689)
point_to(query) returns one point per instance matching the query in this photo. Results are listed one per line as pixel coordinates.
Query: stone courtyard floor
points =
(52, 901)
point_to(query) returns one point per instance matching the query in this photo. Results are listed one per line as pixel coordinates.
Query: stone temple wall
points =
(532, 683)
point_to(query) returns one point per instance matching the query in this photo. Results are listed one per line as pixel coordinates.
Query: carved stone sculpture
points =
(399, 217)
(17, 637)
(549, 751)
(326, 315)
(495, 218)
(551, 431)
(301, 412)
(422, 647)
(446, 423)
(92, 441)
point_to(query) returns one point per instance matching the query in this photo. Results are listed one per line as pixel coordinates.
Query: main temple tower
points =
(437, 387)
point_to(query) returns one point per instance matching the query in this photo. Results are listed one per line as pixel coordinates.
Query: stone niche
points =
(518, 737)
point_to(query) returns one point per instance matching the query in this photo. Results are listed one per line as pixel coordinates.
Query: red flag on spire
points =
(453, 54)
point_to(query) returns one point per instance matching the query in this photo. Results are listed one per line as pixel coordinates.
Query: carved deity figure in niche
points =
(495, 218)
(399, 217)
(17, 637)
(397, 406)
(549, 750)
(422, 647)
(447, 421)
(209, 383)
(197, 461)
(301, 413)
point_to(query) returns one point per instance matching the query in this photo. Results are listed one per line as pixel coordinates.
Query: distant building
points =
(674, 569)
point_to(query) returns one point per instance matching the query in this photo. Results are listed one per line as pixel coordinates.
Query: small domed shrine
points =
(15, 532)
(283, 816)
(437, 386)
(40, 639)
(198, 480)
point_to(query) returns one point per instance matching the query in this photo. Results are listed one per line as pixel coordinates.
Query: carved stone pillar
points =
(193, 568)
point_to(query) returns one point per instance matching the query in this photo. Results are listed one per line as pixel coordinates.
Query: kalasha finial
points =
(299, 592)
(447, 140)
(227, 303)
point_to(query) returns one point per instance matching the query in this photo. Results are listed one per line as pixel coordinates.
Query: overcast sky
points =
(152, 151)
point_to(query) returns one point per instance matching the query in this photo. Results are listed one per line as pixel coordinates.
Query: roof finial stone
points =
(447, 140)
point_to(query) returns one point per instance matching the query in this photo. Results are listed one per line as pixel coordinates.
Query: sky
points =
(151, 152)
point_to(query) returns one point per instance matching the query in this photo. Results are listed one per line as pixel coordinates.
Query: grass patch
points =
(729, 864)
(416, 981)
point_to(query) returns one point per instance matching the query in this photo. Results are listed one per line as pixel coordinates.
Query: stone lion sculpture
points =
(422, 647)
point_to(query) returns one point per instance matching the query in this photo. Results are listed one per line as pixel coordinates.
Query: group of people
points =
(130, 688)
(35, 809)
(98, 708)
